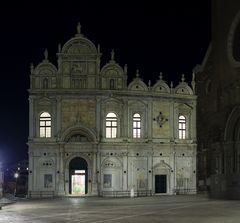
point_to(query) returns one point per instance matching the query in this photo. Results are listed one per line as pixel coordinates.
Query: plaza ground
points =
(163, 209)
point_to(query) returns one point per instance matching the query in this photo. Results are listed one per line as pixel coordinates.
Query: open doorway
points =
(160, 183)
(78, 175)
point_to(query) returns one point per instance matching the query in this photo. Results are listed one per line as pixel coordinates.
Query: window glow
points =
(182, 127)
(136, 126)
(45, 125)
(111, 125)
(79, 171)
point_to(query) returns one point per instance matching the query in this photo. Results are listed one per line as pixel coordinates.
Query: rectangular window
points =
(107, 180)
(48, 181)
(45, 125)
(136, 126)
(182, 127)
(111, 125)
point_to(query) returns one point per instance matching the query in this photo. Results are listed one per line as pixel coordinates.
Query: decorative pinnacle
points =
(193, 81)
(31, 67)
(46, 54)
(59, 47)
(78, 28)
(193, 76)
(161, 76)
(98, 48)
(137, 73)
(149, 83)
(125, 68)
(112, 55)
(183, 78)
(171, 85)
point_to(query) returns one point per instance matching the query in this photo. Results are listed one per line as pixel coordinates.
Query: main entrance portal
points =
(78, 175)
(160, 183)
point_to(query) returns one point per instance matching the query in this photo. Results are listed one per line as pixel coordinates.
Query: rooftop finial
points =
(193, 81)
(125, 68)
(46, 54)
(98, 48)
(171, 85)
(183, 78)
(32, 68)
(161, 76)
(78, 28)
(59, 47)
(149, 83)
(112, 55)
(137, 73)
(193, 76)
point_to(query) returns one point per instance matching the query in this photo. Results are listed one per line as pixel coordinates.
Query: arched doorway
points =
(78, 176)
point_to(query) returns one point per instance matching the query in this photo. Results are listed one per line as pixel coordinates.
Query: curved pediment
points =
(45, 68)
(79, 45)
(137, 85)
(78, 133)
(161, 87)
(184, 89)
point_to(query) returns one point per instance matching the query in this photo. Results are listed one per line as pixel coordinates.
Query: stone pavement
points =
(162, 209)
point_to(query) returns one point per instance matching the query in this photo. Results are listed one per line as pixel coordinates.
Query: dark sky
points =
(152, 36)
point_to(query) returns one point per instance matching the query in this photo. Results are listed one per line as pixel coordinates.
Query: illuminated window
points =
(136, 126)
(182, 127)
(111, 125)
(45, 125)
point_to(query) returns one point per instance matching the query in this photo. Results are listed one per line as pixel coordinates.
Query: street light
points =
(16, 175)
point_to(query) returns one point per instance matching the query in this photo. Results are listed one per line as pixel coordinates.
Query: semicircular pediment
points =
(161, 87)
(45, 69)
(79, 45)
(78, 134)
(183, 89)
(137, 85)
(112, 70)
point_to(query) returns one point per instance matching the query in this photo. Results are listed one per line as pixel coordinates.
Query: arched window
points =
(136, 126)
(45, 125)
(112, 84)
(182, 127)
(111, 125)
(45, 83)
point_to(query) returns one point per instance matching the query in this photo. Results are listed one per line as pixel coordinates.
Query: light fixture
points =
(16, 175)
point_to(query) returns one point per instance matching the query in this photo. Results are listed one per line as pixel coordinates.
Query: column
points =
(31, 117)
(150, 171)
(149, 120)
(125, 127)
(35, 173)
(58, 119)
(172, 157)
(94, 173)
(171, 121)
(98, 118)
(61, 189)
(98, 171)
(125, 172)
(193, 123)
(30, 170)
(194, 168)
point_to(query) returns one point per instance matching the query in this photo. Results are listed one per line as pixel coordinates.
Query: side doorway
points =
(160, 184)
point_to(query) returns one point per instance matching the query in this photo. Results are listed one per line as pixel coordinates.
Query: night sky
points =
(152, 37)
